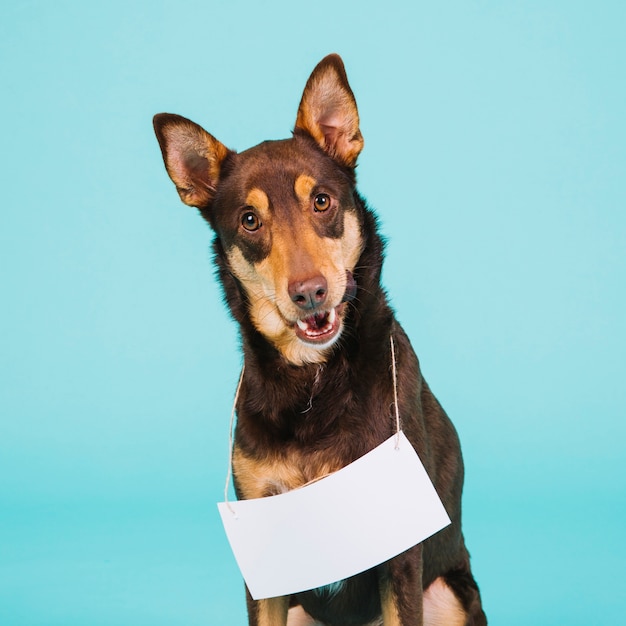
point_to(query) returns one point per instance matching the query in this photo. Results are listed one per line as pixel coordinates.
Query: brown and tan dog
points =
(299, 257)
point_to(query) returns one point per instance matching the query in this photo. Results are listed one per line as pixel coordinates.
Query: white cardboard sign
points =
(362, 515)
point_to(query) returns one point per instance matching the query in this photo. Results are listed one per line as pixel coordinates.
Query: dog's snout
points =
(310, 293)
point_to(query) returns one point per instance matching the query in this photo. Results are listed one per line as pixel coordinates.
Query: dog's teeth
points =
(331, 316)
(302, 324)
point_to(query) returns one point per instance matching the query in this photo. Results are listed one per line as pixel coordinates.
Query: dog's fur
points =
(299, 257)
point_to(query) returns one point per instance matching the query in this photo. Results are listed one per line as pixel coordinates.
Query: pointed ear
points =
(192, 157)
(328, 111)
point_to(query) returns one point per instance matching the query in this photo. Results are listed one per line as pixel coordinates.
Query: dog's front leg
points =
(269, 612)
(401, 595)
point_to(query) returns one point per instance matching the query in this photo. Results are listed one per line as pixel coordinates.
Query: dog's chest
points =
(279, 473)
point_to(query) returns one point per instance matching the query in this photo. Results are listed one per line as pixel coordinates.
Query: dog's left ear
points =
(328, 111)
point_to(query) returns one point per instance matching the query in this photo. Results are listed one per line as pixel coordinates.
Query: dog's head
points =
(284, 212)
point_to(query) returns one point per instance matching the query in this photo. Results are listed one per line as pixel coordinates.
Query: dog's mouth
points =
(321, 327)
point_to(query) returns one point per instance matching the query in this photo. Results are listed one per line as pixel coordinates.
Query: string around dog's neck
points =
(234, 410)
(231, 439)
(395, 390)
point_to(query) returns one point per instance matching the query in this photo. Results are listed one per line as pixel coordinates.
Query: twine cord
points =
(231, 442)
(395, 390)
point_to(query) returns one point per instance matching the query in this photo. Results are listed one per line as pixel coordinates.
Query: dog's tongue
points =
(318, 326)
(314, 323)
(317, 321)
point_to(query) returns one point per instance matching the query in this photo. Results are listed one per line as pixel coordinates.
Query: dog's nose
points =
(309, 293)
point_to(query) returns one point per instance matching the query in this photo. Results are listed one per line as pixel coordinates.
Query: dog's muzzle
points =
(324, 326)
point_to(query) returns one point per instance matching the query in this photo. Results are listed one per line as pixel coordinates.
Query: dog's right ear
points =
(192, 157)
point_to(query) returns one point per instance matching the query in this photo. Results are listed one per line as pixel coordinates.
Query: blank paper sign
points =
(366, 513)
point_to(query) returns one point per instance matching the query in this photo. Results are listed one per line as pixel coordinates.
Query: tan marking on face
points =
(258, 199)
(256, 478)
(352, 241)
(442, 607)
(303, 187)
(299, 253)
(296, 253)
(273, 611)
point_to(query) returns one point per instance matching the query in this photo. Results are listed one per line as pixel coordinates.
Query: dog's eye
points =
(321, 202)
(250, 221)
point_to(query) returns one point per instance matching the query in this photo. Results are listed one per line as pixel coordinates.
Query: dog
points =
(299, 256)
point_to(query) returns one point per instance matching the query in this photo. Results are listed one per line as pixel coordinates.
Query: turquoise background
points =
(495, 156)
